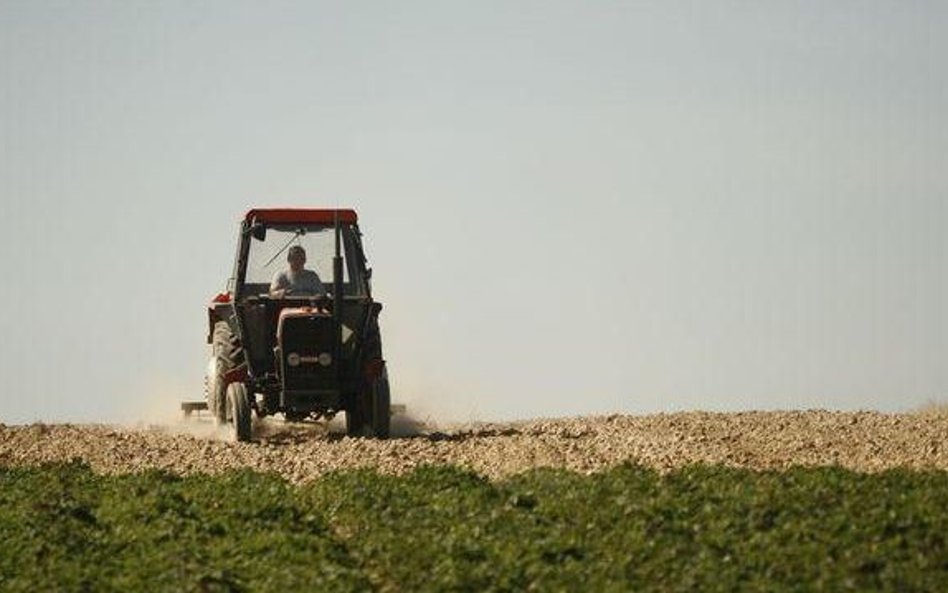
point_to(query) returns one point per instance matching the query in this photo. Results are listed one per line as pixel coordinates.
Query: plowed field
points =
(862, 441)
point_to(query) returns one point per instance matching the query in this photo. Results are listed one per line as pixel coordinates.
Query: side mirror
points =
(258, 231)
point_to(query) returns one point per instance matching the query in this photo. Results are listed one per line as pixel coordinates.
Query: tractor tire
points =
(238, 412)
(371, 415)
(381, 407)
(226, 354)
(292, 417)
(215, 391)
(355, 417)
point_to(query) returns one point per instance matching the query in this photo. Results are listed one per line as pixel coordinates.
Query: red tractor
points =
(284, 342)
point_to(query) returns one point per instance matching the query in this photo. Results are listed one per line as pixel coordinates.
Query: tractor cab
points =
(270, 244)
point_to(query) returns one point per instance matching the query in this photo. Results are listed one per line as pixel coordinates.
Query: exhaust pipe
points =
(337, 299)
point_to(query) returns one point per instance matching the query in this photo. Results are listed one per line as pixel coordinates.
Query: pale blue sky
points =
(571, 207)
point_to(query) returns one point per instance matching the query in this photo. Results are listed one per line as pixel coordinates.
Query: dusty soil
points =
(863, 441)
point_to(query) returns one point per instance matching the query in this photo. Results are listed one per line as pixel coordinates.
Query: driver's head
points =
(297, 257)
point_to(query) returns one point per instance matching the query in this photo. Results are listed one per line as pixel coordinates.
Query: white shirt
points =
(302, 283)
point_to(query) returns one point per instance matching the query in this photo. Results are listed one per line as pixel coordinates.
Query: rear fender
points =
(218, 310)
(373, 369)
(373, 365)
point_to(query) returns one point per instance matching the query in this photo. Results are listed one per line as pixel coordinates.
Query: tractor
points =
(302, 354)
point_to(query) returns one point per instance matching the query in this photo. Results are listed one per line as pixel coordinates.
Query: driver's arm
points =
(280, 287)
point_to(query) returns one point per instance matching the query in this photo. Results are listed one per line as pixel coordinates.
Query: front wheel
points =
(238, 411)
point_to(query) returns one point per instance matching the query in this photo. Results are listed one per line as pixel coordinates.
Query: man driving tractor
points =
(273, 353)
(297, 280)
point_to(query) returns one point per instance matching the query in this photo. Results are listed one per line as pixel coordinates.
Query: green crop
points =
(705, 528)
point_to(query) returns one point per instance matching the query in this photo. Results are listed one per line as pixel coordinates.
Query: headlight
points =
(325, 359)
(293, 359)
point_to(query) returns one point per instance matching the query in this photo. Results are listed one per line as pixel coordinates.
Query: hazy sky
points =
(571, 207)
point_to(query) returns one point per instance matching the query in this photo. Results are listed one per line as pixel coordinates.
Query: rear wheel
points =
(371, 415)
(226, 354)
(238, 411)
(381, 407)
(355, 423)
(215, 390)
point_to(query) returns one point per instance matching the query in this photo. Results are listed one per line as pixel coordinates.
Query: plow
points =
(198, 408)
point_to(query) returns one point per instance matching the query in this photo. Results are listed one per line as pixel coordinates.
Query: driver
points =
(296, 281)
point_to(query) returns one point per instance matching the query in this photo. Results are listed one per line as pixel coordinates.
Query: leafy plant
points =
(704, 528)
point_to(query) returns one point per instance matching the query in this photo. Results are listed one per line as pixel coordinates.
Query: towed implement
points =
(283, 341)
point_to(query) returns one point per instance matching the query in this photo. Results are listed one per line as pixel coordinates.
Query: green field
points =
(441, 528)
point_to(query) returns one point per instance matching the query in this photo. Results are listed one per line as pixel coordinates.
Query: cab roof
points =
(301, 215)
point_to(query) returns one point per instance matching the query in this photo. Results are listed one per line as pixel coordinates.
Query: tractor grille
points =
(307, 338)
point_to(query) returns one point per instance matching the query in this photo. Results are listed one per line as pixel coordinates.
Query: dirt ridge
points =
(863, 441)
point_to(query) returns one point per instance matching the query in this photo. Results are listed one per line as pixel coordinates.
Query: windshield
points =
(268, 258)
